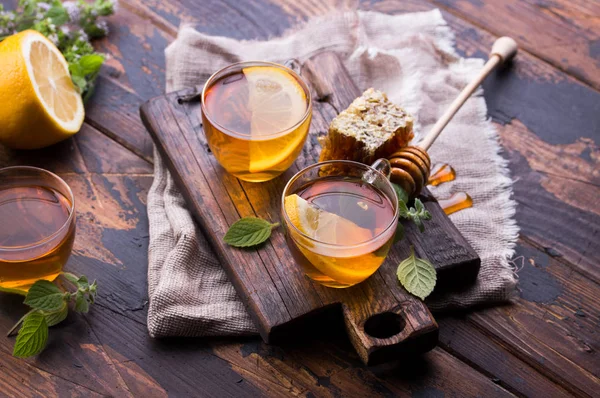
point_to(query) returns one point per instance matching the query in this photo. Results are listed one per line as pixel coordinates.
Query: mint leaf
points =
(74, 279)
(420, 208)
(92, 292)
(56, 317)
(81, 302)
(80, 82)
(417, 275)
(58, 15)
(249, 231)
(399, 233)
(401, 193)
(90, 64)
(82, 282)
(417, 214)
(32, 337)
(45, 295)
(403, 210)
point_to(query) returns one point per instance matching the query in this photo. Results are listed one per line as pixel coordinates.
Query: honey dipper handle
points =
(503, 49)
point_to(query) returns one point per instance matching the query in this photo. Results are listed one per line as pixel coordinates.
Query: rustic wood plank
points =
(182, 367)
(554, 325)
(327, 367)
(103, 155)
(113, 111)
(136, 47)
(59, 158)
(563, 33)
(24, 380)
(473, 346)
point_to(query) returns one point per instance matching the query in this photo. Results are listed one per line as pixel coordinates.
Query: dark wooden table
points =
(547, 111)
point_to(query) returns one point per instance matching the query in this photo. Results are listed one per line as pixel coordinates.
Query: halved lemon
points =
(277, 102)
(39, 105)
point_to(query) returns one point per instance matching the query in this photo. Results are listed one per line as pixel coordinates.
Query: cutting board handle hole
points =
(384, 325)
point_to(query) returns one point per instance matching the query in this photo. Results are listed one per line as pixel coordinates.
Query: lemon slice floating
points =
(331, 228)
(323, 226)
(39, 105)
(277, 102)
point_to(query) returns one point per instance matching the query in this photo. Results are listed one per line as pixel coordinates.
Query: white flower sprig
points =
(70, 26)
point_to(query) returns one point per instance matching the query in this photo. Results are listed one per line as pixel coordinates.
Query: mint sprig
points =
(49, 306)
(417, 275)
(417, 214)
(248, 232)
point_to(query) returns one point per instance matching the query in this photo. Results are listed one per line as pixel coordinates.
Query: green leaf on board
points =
(82, 282)
(56, 317)
(45, 295)
(81, 302)
(71, 277)
(417, 275)
(32, 336)
(399, 233)
(249, 231)
(401, 193)
(417, 214)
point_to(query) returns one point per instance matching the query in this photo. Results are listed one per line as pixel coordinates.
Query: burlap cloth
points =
(411, 57)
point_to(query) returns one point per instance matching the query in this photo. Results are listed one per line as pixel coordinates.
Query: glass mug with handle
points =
(256, 117)
(340, 219)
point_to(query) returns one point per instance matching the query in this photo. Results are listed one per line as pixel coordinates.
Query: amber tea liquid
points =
(256, 117)
(365, 213)
(35, 239)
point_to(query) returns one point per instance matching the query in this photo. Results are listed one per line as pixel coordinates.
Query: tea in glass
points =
(256, 117)
(340, 222)
(38, 226)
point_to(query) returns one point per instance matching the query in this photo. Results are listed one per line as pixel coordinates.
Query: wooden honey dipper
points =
(411, 165)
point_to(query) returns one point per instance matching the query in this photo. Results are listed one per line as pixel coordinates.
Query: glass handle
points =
(294, 65)
(383, 166)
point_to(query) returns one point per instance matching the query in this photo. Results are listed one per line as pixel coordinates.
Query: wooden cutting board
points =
(383, 321)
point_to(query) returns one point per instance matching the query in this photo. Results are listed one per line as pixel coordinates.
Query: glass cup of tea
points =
(340, 219)
(37, 210)
(256, 117)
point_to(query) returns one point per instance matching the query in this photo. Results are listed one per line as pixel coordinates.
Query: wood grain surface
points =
(546, 111)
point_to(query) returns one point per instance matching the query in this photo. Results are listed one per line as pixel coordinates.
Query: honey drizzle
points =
(441, 172)
(456, 202)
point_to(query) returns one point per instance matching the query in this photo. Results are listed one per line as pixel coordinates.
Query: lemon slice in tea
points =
(331, 228)
(323, 226)
(277, 102)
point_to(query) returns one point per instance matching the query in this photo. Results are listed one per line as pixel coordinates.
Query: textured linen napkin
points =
(409, 56)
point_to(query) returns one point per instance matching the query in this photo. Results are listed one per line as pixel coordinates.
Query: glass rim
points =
(240, 64)
(288, 222)
(65, 225)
